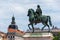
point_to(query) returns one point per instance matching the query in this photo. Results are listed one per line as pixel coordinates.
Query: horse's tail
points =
(49, 19)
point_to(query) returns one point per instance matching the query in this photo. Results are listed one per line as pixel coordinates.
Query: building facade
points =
(13, 32)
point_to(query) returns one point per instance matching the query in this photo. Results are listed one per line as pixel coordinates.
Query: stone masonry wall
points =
(41, 38)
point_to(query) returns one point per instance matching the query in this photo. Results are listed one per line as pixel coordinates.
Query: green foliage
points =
(57, 37)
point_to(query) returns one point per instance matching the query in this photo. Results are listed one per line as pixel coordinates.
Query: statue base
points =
(38, 36)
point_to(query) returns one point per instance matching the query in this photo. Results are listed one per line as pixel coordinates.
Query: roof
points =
(16, 31)
(2, 34)
(13, 26)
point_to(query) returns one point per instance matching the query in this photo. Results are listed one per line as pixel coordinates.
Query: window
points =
(13, 36)
(8, 36)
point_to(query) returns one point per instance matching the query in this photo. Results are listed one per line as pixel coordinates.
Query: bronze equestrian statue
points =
(37, 17)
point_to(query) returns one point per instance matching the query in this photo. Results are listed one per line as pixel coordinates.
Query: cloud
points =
(20, 7)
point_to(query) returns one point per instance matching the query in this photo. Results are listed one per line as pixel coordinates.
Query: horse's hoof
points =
(41, 29)
(33, 32)
(48, 31)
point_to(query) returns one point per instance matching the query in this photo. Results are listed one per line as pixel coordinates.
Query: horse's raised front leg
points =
(32, 28)
(29, 26)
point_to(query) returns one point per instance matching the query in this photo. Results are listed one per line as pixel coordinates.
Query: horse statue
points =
(45, 20)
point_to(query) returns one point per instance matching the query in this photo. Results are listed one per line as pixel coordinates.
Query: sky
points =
(20, 7)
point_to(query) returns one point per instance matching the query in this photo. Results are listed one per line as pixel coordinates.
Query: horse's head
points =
(30, 11)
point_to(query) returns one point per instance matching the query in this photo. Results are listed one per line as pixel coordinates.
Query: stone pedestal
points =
(38, 36)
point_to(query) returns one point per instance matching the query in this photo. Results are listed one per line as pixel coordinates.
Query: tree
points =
(57, 37)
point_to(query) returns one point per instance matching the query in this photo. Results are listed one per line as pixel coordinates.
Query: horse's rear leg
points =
(48, 28)
(43, 27)
(29, 26)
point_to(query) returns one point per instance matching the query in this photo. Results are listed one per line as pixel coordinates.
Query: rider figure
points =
(38, 12)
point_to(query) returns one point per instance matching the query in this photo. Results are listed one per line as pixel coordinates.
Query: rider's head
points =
(38, 6)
